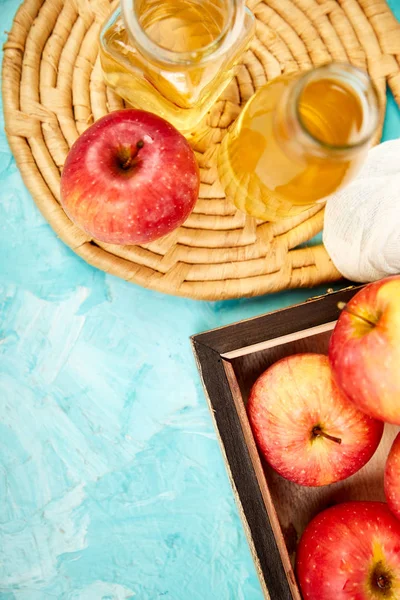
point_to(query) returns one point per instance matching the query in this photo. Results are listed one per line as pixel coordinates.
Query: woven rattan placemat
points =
(53, 89)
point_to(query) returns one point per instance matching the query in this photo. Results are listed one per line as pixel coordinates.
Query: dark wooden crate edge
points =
(208, 348)
(276, 323)
(241, 473)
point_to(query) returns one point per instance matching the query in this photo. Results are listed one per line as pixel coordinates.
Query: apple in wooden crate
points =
(350, 551)
(364, 349)
(304, 425)
(392, 478)
(130, 178)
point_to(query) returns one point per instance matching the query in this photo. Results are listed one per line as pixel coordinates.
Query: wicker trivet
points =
(53, 89)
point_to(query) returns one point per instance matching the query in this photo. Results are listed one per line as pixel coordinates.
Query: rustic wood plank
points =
(242, 475)
(278, 323)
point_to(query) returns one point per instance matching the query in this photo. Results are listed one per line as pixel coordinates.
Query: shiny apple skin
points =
(392, 478)
(345, 549)
(134, 205)
(287, 401)
(366, 359)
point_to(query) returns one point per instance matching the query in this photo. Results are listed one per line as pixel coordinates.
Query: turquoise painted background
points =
(112, 485)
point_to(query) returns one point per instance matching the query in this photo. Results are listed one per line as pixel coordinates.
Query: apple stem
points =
(343, 306)
(383, 582)
(317, 432)
(129, 162)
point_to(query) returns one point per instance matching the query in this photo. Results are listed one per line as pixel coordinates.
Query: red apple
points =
(392, 478)
(305, 427)
(364, 350)
(130, 178)
(350, 551)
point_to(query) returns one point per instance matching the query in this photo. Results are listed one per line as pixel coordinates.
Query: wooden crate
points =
(274, 511)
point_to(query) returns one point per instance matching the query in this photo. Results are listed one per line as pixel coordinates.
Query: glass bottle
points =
(174, 57)
(299, 139)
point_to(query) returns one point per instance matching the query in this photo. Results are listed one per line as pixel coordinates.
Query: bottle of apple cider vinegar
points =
(299, 139)
(174, 57)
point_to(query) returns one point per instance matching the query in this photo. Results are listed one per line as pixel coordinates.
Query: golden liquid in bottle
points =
(181, 93)
(182, 26)
(270, 172)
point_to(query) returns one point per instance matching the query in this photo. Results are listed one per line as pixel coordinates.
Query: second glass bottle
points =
(299, 139)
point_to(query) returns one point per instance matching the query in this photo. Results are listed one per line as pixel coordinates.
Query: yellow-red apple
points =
(392, 478)
(305, 427)
(350, 551)
(364, 350)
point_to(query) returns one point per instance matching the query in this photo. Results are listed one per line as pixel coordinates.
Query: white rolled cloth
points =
(362, 221)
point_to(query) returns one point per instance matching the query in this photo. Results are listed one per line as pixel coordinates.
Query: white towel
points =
(362, 221)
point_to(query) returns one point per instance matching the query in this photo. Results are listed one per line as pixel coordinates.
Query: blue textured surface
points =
(112, 485)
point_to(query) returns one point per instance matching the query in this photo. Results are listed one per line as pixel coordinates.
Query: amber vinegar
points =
(298, 140)
(182, 26)
(174, 57)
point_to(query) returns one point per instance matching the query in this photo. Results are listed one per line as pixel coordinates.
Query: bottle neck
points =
(156, 29)
(329, 112)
